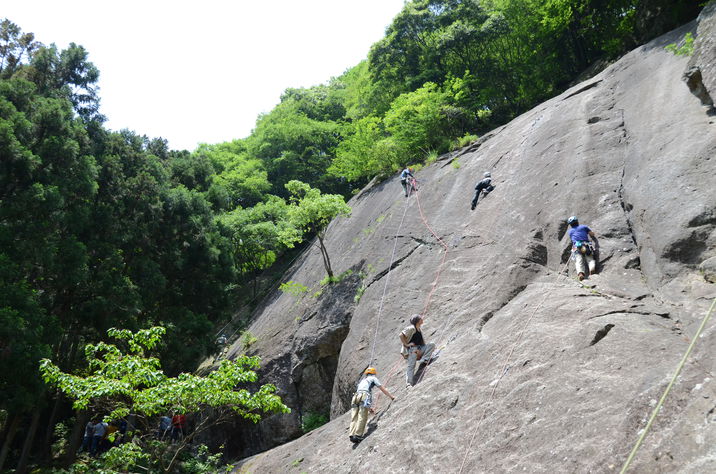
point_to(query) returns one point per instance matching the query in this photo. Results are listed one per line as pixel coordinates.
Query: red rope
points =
(442, 262)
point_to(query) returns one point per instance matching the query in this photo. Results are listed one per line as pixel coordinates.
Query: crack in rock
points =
(582, 89)
(601, 334)
(396, 263)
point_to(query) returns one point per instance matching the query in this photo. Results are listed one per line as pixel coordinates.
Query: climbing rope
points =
(657, 408)
(503, 371)
(442, 262)
(387, 278)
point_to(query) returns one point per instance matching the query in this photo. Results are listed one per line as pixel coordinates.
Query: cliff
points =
(537, 372)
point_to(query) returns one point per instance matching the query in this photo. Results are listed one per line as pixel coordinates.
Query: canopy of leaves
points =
(123, 382)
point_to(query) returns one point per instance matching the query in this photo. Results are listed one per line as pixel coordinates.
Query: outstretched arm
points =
(386, 392)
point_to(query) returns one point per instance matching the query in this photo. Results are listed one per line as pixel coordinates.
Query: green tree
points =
(243, 177)
(129, 381)
(259, 234)
(297, 140)
(312, 211)
(417, 122)
(366, 152)
(15, 47)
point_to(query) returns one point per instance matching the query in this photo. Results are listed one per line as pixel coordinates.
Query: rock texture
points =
(537, 373)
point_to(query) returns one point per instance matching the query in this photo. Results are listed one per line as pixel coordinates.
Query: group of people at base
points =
(173, 428)
(101, 436)
(585, 248)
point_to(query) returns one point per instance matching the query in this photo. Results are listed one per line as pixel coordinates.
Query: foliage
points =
(312, 211)
(247, 340)
(15, 47)
(293, 288)
(311, 421)
(684, 48)
(365, 151)
(297, 139)
(416, 121)
(258, 235)
(336, 279)
(465, 140)
(130, 381)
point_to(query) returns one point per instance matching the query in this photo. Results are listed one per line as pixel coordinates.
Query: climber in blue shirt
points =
(407, 172)
(581, 247)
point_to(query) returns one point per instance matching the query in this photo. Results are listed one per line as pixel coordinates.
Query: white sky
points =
(201, 72)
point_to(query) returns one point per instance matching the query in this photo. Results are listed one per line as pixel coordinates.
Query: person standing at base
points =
(582, 249)
(414, 347)
(87, 439)
(361, 403)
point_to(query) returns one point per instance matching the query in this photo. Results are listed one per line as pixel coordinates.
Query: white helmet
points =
(487, 174)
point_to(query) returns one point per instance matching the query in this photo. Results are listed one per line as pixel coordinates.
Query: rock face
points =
(537, 372)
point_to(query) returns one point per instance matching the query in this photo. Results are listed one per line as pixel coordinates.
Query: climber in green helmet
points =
(361, 403)
(582, 249)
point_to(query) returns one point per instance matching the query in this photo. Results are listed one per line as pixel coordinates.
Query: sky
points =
(201, 72)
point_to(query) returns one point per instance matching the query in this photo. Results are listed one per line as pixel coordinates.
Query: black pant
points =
(477, 194)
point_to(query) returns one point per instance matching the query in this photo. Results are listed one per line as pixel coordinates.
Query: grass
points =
(464, 141)
(293, 288)
(686, 49)
(329, 280)
(247, 340)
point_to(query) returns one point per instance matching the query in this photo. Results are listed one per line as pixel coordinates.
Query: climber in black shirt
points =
(485, 185)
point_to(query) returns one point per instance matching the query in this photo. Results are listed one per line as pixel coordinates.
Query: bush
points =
(293, 288)
(311, 421)
(686, 48)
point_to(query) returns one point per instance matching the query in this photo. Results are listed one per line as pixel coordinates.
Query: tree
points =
(366, 151)
(297, 140)
(259, 234)
(417, 123)
(15, 47)
(312, 211)
(130, 382)
(241, 176)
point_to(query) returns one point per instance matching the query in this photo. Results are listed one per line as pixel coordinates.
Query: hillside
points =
(538, 373)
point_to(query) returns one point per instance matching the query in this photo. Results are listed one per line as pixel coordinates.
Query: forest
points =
(111, 236)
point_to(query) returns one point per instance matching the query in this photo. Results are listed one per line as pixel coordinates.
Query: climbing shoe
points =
(580, 276)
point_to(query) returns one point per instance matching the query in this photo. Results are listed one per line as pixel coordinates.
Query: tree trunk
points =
(78, 431)
(326, 260)
(50, 429)
(22, 464)
(9, 437)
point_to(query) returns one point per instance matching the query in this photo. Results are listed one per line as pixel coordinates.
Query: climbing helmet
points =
(572, 219)
(370, 371)
(487, 174)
